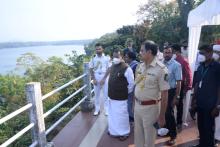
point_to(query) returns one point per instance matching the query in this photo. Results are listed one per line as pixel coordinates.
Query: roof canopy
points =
(208, 13)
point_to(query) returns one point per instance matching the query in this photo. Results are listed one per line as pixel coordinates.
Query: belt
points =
(100, 73)
(148, 102)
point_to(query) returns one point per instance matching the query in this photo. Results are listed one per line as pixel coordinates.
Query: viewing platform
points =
(84, 129)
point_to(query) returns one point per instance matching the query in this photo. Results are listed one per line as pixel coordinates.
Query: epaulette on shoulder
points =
(161, 64)
(138, 65)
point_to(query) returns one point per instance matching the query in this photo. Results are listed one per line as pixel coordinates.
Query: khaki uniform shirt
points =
(151, 80)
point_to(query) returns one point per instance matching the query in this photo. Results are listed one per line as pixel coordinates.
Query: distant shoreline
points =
(46, 43)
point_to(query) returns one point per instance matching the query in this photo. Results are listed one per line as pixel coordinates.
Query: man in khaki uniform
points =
(151, 92)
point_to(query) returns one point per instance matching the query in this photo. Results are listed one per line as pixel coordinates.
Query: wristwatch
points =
(178, 97)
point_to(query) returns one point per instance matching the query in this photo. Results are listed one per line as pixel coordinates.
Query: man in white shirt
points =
(99, 69)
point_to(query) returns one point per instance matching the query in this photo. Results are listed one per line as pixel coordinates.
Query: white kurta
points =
(118, 118)
(217, 128)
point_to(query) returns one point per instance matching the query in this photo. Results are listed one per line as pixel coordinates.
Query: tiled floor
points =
(85, 130)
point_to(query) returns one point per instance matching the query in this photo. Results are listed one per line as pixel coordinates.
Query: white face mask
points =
(201, 58)
(215, 56)
(116, 61)
(174, 56)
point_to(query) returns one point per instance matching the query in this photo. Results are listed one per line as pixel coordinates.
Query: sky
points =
(51, 20)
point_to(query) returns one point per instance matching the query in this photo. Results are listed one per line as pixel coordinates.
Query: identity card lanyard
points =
(204, 72)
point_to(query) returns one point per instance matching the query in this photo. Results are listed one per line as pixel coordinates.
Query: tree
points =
(28, 61)
(51, 74)
(185, 6)
(162, 22)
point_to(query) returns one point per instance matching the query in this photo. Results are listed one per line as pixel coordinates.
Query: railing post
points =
(33, 93)
(87, 105)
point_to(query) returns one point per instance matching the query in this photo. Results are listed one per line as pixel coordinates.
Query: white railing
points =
(62, 87)
(15, 113)
(63, 102)
(35, 107)
(20, 133)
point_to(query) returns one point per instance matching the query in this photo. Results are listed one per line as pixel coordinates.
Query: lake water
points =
(9, 56)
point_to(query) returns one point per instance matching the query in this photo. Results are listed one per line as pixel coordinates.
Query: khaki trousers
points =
(144, 132)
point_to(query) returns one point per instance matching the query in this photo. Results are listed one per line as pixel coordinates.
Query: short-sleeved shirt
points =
(151, 80)
(174, 72)
(208, 82)
(100, 64)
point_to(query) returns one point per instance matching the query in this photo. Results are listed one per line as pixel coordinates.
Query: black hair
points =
(131, 55)
(117, 50)
(167, 47)
(176, 47)
(206, 47)
(98, 44)
(152, 46)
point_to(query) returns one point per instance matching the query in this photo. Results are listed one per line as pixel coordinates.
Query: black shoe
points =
(179, 127)
(192, 113)
(171, 142)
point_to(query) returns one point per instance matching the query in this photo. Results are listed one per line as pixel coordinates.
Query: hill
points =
(42, 43)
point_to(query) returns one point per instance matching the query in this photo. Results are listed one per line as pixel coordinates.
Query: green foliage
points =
(161, 22)
(27, 62)
(158, 21)
(12, 90)
(168, 22)
(52, 74)
(209, 34)
(112, 40)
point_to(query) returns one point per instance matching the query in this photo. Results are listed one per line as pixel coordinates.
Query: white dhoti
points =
(217, 128)
(118, 118)
(97, 91)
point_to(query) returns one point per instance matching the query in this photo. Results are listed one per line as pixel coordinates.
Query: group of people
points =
(146, 93)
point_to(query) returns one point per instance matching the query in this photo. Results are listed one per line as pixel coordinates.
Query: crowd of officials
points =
(144, 92)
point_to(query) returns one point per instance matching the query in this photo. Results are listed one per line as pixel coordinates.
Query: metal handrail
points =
(64, 116)
(16, 136)
(64, 101)
(62, 87)
(15, 113)
(92, 90)
(34, 93)
(35, 143)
